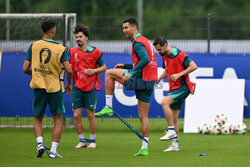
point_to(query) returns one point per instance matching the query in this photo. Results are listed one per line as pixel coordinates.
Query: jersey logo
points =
(45, 54)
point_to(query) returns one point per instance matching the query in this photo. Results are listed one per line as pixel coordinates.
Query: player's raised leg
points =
(79, 127)
(92, 127)
(111, 76)
(165, 103)
(143, 109)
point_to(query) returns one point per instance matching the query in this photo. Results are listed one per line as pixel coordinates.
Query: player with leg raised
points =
(177, 67)
(141, 78)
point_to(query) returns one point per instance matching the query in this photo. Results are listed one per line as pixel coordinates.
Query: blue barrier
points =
(16, 96)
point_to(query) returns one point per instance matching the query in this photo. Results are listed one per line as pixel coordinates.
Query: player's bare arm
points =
(97, 70)
(163, 75)
(67, 67)
(191, 67)
(68, 86)
(26, 67)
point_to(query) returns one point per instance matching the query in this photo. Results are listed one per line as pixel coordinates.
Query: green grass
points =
(116, 148)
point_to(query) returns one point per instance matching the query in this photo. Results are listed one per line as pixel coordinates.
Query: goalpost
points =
(18, 31)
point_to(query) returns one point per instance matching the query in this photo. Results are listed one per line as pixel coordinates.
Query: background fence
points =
(199, 34)
(202, 34)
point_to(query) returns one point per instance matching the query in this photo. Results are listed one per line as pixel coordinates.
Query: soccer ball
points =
(204, 128)
(240, 128)
(215, 129)
(227, 129)
(221, 119)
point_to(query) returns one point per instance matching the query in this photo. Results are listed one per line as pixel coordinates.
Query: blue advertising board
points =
(16, 96)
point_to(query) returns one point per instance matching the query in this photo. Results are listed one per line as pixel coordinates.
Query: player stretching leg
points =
(141, 78)
(177, 67)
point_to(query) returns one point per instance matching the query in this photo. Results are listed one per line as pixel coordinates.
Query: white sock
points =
(92, 136)
(39, 140)
(81, 136)
(109, 100)
(171, 128)
(144, 144)
(54, 147)
(175, 142)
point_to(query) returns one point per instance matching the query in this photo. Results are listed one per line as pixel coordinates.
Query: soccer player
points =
(141, 78)
(87, 63)
(45, 57)
(177, 67)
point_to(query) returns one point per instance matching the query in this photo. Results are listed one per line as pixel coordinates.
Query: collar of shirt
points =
(174, 53)
(136, 36)
(89, 49)
(49, 40)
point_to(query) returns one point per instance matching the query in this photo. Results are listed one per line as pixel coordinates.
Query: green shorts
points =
(144, 95)
(143, 89)
(82, 99)
(42, 98)
(179, 95)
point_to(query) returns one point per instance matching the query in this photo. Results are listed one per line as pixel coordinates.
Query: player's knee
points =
(108, 72)
(165, 102)
(91, 115)
(77, 115)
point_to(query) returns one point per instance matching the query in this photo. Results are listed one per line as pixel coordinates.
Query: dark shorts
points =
(42, 98)
(82, 99)
(144, 95)
(179, 95)
(143, 89)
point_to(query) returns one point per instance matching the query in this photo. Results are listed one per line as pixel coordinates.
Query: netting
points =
(191, 34)
(19, 30)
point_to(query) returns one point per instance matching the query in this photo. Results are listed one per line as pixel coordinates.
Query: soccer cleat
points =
(54, 155)
(92, 145)
(169, 135)
(81, 145)
(142, 152)
(171, 148)
(39, 152)
(106, 111)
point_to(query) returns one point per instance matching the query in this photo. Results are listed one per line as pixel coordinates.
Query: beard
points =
(79, 44)
(164, 53)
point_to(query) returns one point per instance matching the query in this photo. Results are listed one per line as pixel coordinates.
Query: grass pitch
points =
(116, 148)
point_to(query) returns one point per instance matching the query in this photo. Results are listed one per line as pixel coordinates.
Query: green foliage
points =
(175, 19)
(129, 7)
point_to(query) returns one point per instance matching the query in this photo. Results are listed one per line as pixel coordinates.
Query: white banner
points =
(213, 97)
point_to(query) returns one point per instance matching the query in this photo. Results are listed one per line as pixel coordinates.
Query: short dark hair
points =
(82, 28)
(131, 21)
(160, 40)
(48, 25)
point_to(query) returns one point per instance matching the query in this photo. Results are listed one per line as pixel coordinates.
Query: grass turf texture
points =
(116, 148)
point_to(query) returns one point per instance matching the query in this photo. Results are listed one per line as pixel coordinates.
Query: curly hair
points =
(82, 28)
